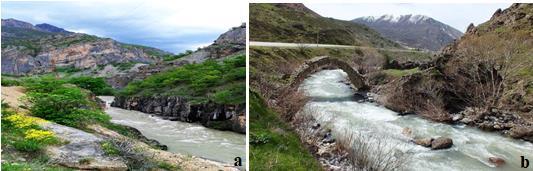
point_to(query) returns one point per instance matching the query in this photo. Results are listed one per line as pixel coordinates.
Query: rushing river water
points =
(182, 137)
(471, 149)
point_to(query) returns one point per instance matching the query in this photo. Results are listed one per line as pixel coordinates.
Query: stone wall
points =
(212, 115)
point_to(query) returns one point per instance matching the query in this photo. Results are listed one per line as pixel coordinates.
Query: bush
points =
(28, 145)
(10, 82)
(259, 139)
(109, 148)
(69, 106)
(96, 85)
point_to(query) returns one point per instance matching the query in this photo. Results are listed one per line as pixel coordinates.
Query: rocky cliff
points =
(28, 49)
(217, 116)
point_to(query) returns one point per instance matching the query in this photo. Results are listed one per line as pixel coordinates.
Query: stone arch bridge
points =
(324, 62)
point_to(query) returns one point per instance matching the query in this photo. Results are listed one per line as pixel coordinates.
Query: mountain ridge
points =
(416, 31)
(29, 49)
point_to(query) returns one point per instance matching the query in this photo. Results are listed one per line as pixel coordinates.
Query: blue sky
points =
(457, 15)
(173, 26)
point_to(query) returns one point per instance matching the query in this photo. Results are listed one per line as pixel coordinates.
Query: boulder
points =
(521, 132)
(426, 142)
(408, 132)
(441, 143)
(496, 161)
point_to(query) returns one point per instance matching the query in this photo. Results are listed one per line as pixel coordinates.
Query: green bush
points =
(26, 145)
(67, 105)
(109, 148)
(174, 57)
(10, 82)
(259, 139)
(96, 85)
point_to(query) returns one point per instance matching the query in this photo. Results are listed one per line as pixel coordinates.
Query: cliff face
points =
(28, 49)
(217, 116)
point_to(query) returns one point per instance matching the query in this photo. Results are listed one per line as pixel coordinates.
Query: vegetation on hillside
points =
(21, 135)
(170, 57)
(223, 83)
(273, 144)
(280, 23)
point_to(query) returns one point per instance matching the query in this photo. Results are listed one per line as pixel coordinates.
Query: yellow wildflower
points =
(38, 135)
(21, 121)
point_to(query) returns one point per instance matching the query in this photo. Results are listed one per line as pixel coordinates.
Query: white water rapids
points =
(182, 137)
(471, 150)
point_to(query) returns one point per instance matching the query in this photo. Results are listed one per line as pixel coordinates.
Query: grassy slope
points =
(269, 22)
(223, 83)
(283, 150)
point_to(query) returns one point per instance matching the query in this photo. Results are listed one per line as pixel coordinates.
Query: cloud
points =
(156, 23)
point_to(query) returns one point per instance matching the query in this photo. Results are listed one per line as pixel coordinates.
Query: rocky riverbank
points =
(211, 115)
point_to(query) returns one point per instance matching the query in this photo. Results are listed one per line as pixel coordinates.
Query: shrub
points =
(96, 85)
(69, 106)
(109, 148)
(10, 82)
(258, 139)
(28, 145)
(373, 152)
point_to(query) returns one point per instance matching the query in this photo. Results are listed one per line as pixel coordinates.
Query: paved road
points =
(309, 45)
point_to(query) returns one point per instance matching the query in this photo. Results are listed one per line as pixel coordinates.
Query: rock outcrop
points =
(217, 116)
(441, 143)
(28, 49)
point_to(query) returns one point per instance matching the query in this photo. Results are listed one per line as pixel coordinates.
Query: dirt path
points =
(11, 96)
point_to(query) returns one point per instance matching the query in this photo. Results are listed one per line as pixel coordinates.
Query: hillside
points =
(483, 76)
(416, 31)
(43, 48)
(295, 23)
(207, 86)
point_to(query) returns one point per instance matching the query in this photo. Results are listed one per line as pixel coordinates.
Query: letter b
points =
(525, 162)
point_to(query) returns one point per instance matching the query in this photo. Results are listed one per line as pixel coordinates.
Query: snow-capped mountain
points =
(417, 31)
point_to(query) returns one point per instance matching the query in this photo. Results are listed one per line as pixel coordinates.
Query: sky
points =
(457, 15)
(173, 26)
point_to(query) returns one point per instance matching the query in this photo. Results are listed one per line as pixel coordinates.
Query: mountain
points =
(485, 75)
(29, 49)
(417, 31)
(295, 23)
(51, 28)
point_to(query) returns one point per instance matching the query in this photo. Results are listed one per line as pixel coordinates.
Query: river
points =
(182, 137)
(471, 150)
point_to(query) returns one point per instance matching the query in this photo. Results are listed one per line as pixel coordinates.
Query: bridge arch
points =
(320, 63)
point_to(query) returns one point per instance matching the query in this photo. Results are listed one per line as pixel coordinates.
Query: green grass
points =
(26, 166)
(279, 147)
(400, 73)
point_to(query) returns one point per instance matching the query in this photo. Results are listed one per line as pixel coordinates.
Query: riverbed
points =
(182, 137)
(335, 108)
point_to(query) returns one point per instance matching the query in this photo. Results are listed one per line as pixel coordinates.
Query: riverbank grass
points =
(273, 145)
